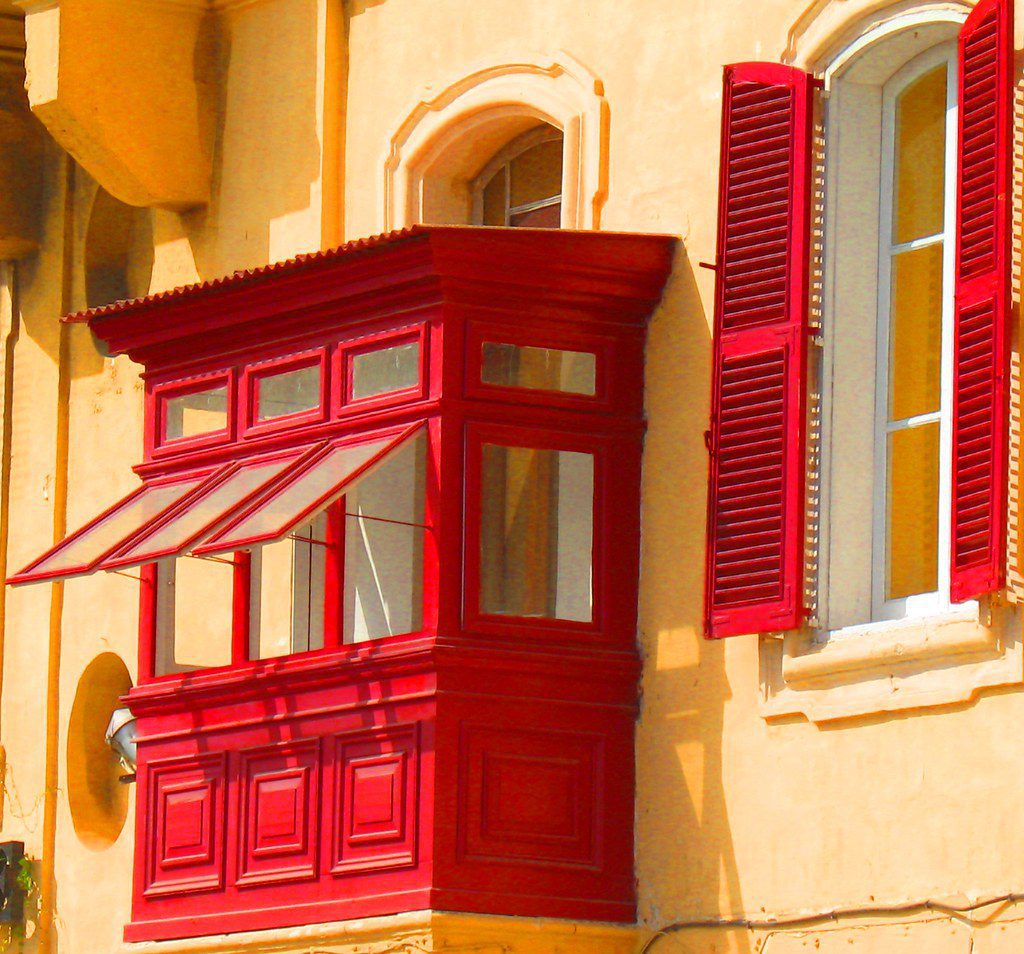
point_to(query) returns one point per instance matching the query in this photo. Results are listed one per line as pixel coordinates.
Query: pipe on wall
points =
(9, 289)
(47, 865)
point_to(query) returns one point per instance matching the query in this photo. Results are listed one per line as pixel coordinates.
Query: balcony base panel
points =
(426, 931)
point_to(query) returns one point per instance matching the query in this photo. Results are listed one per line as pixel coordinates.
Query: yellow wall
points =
(739, 811)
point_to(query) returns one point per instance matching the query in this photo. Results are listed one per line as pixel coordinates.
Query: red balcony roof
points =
(613, 277)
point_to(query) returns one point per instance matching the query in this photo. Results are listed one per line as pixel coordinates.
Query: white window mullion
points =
(888, 250)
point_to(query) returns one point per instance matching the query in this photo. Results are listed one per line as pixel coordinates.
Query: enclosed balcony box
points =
(388, 541)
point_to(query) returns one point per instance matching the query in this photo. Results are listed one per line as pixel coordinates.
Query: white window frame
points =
(926, 33)
(922, 604)
(835, 668)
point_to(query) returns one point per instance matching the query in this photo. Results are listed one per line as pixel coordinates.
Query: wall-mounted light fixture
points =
(120, 736)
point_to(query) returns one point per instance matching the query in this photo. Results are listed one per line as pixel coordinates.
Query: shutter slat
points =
(981, 335)
(756, 487)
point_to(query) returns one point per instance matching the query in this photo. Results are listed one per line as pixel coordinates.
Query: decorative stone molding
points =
(424, 931)
(900, 664)
(122, 86)
(888, 667)
(828, 26)
(448, 135)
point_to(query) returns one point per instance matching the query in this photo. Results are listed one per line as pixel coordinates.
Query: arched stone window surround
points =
(447, 138)
(939, 661)
(830, 33)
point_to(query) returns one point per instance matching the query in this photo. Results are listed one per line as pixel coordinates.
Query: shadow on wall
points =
(118, 264)
(686, 864)
(266, 147)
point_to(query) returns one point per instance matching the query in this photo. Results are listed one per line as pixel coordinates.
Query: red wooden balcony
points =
(388, 538)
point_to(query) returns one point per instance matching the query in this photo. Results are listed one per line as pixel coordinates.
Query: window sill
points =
(890, 666)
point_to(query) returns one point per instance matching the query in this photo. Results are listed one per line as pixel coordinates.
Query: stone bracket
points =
(127, 88)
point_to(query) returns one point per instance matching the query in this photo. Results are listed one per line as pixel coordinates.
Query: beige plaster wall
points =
(737, 814)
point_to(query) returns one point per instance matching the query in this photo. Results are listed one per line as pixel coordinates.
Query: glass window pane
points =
(384, 560)
(311, 488)
(385, 370)
(194, 602)
(287, 593)
(201, 412)
(536, 174)
(915, 351)
(494, 199)
(920, 157)
(287, 393)
(83, 549)
(543, 217)
(546, 369)
(537, 532)
(913, 511)
(203, 512)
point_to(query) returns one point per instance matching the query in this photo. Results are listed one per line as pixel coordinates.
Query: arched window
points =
(890, 161)
(541, 120)
(522, 185)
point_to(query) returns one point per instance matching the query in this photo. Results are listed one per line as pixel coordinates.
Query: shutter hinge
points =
(710, 266)
(707, 440)
(817, 82)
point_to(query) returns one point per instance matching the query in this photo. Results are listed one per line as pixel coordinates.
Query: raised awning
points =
(82, 551)
(234, 507)
(306, 491)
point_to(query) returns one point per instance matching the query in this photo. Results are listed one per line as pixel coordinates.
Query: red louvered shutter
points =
(758, 420)
(982, 330)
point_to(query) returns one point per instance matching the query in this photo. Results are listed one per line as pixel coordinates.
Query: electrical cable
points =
(774, 924)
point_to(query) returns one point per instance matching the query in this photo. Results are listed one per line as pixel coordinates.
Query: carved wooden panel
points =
(530, 796)
(186, 807)
(375, 799)
(279, 813)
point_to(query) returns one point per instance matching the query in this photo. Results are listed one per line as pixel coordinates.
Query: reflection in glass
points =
(203, 511)
(287, 393)
(544, 369)
(537, 533)
(194, 603)
(920, 185)
(915, 352)
(913, 511)
(913, 411)
(387, 369)
(526, 191)
(287, 593)
(297, 496)
(201, 412)
(83, 549)
(383, 553)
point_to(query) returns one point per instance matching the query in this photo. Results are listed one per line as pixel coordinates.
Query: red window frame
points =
(394, 438)
(481, 334)
(304, 459)
(156, 417)
(121, 557)
(535, 628)
(252, 374)
(347, 351)
(31, 573)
